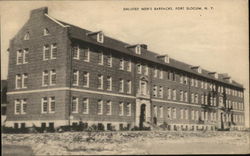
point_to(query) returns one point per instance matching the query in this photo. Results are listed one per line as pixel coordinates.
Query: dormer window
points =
(138, 49)
(197, 69)
(228, 78)
(164, 58)
(27, 36)
(45, 32)
(100, 37)
(214, 74)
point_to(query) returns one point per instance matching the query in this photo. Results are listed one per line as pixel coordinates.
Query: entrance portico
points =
(143, 112)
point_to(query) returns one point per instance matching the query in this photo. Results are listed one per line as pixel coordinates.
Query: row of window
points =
(27, 34)
(48, 104)
(124, 108)
(195, 115)
(21, 81)
(234, 105)
(20, 106)
(100, 82)
(22, 56)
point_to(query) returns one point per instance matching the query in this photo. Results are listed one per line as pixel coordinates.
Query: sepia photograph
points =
(125, 77)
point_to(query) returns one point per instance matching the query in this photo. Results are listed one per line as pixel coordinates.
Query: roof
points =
(81, 34)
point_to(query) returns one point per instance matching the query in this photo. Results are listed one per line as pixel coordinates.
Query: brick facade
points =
(67, 37)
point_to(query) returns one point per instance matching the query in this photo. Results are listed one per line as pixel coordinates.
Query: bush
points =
(14, 130)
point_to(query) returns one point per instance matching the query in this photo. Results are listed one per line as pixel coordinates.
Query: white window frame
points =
(19, 54)
(53, 46)
(174, 113)
(186, 114)
(102, 57)
(100, 79)
(155, 91)
(109, 81)
(181, 95)
(50, 104)
(155, 72)
(169, 93)
(109, 60)
(109, 105)
(121, 64)
(76, 73)
(77, 57)
(100, 37)
(52, 73)
(139, 68)
(77, 101)
(100, 104)
(129, 86)
(121, 109)
(121, 85)
(186, 96)
(42, 105)
(174, 94)
(45, 47)
(86, 76)
(128, 109)
(161, 92)
(85, 101)
(18, 79)
(16, 103)
(43, 75)
(138, 49)
(26, 36)
(24, 76)
(161, 111)
(146, 70)
(25, 55)
(23, 102)
(161, 74)
(46, 32)
(129, 65)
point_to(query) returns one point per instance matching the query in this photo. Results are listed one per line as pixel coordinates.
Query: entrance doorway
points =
(142, 116)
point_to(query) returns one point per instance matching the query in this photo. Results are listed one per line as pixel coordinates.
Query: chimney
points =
(39, 12)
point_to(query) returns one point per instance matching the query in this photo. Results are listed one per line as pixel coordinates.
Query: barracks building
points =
(60, 74)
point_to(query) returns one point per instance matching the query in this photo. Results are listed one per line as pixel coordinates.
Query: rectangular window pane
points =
(24, 80)
(100, 82)
(86, 79)
(86, 55)
(18, 81)
(109, 107)
(121, 108)
(44, 105)
(109, 60)
(45, 78)
(75, 77)
(24, 106)
(85, 106)
(109, 83)
(100, 107)
(128, 86)
(121, 86)
(100, 58)
(46, 52)
(17, 106)
(25, 55)
(121, 64)
(75, 51)
(53, 77)
(74, 106)
(52, 104)
(53, 51)
(128, 109)
(19, 57)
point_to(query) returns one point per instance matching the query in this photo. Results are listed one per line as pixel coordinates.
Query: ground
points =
(132, 142)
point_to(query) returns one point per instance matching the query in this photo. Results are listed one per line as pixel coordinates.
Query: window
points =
(129, 65)
(19, 57)
(109, 107)
(109, 83)
(100, 82)
(215, 101)
(197, 115)
(138, 49)
(27, 36)
(206, 99)
(53, 51)
(196, 83)
(76, 52)
(109, 60)
(128, 86)
(128, 109)
(169, 113)
(100, 107)
(185, 80)
(161, 74)
(192, 97)
(17, 106)
(206, 115)
(45, 78)
(85, 106)
(143, 87)
(174, 113)
(173, 76)
(146, 69)
(161, 92)
(192, 81)
(85, 79)
(196, 98)
(181, 95)
(205, 85)
(46, 54)
(121, 85)
(221, 101)
(25, 55)
(155, 111)
(23, 106)
(44, 105)
(121, 108)
(161, 112)
(18, 81)
(139, 68)
(186, 97)
(53, 77)
(202, 115)
(100, 37)
(74, 105)
(169, 93)
(174, 94)
(121, 64)
(181, 79)
(202, 84)
(24, 80)
(75, 77)
(192, 115)
(211, 100)
(155, 91)
(52, 104)
(100, 57)
(182, 113)
(186, 114)
(155, 72)
(202, 99)
(45, 32)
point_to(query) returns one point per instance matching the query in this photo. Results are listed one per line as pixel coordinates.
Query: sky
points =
(216, 38)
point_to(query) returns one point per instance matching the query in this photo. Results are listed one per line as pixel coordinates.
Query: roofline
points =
(56, 21)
